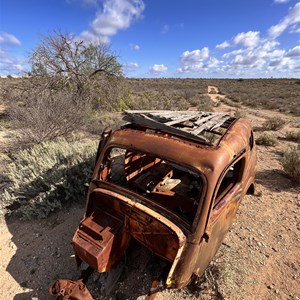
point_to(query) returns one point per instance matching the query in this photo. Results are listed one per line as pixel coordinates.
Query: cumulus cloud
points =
(293, 52)
(292, 18)
(116, 15)
(247, 39)
(285, 62)
(197, 61)
(134, 47)
(158, 69)
(84, 2)
(223, 45)
(281, 1)
(10, 65)
(7, 38)
(195, 55)
(257, 54)
(131, 65)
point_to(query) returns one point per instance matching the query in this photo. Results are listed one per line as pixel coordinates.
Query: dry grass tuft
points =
(266, 139)
(274, 124)
(291, 163)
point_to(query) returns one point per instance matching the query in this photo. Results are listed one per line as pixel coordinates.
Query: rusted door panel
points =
(221, 219)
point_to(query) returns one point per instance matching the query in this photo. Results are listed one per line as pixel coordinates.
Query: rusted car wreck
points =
(170, 180)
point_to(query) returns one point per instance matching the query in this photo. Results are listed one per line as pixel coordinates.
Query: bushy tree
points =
(69, 78)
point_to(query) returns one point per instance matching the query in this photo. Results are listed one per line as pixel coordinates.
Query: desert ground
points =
(259, 259)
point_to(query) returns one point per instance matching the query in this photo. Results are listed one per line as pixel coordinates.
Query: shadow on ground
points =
(274, 179)
(44, 252)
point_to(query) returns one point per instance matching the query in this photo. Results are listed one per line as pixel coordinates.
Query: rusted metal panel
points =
(168, 189)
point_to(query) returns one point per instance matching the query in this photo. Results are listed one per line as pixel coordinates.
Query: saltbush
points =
(291, 162)
(293, 136)
(47, 177)
(266, 139)
(274, 123)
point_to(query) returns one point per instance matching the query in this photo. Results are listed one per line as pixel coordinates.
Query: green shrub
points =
(205, 103)
(293, 136)
(291, 163)
(266, 139)
(240, 114)
(47, 176)
(274, 123)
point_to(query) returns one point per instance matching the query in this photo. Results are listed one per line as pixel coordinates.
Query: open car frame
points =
(171, 180)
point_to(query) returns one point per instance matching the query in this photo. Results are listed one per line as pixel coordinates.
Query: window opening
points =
(173, 186)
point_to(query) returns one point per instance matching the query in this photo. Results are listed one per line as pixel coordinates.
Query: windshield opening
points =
(168, 184)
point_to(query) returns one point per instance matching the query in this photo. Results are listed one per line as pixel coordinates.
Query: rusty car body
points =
(172, 181)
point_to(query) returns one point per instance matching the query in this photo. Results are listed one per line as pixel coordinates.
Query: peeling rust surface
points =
(174, 193)
(70, 290)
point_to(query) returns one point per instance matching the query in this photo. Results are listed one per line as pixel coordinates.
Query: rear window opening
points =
(168, 184)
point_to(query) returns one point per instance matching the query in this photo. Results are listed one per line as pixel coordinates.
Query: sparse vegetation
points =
(240, 114)
(293, 136)
(266, 139)
(274, 124)
(291, 162)
(69, 78)
(46, 177)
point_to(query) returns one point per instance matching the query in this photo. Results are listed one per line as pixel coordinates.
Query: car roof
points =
(197, 126)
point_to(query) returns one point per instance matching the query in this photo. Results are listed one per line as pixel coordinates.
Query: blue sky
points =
(164, 38)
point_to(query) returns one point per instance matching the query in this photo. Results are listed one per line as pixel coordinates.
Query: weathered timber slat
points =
(181, 119)
(144, 120)
(207, 125)
(172, 121)
(205, 119)
(223, 120)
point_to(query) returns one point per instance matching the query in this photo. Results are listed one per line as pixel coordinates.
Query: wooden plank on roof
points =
(205, 119)
(167, 121)
(181, 119)
(209, 124)
(144, 120)
(222, 121)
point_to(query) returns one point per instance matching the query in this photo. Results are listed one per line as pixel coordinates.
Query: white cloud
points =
(158, 69)
(131, 65)
(223, 45)
(197, 61)
(134, 47)
(284, 62)
(7, 38)
(247, 39)
(295, 28)
(293, 52)
(165, 29)
(232, 53)
(10, 65)
(281, 1)
(116, 15)
(84, 2)
(292, 18)
(195, 55)
(212, 63)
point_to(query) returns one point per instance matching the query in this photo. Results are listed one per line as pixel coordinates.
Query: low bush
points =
(47, 177)
(293, 136)
(266, 139)
(274, 124)
(291, 163)
(240, 114)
